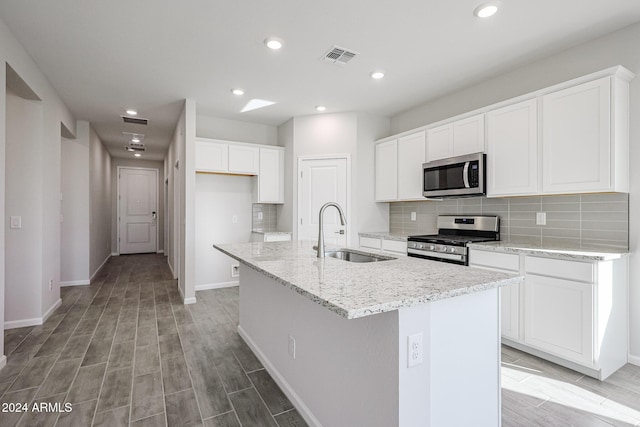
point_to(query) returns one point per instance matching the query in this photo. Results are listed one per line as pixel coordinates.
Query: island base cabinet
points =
(354, 372)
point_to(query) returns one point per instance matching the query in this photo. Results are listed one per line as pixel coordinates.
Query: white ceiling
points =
(106, 56)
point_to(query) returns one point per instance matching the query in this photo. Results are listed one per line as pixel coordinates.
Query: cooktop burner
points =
(449, 239)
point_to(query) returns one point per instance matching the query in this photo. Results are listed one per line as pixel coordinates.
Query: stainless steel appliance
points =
(454, 233)
(461, 176)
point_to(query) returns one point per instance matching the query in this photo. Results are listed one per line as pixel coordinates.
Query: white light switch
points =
(541, 218)
(413, 216)
(16, 222)
(234, 219)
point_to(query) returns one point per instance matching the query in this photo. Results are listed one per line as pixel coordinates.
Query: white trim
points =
(279, 379)
(160, 251)
(172, 273)
(157, 171)
(100, 268)
(634, 360)
(35, 321)
(220, 285)
(186, 301)
(345, 156)
(115, 254)
(3, 361)
(74, 283)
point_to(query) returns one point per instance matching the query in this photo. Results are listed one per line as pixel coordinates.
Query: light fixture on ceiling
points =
(486, 10)
(321, 108)
(273, 43)
(130, 149)
(137, 154)
(237, 91)
(254, 104)
(135, 139)
(132, 112)
(377, 75)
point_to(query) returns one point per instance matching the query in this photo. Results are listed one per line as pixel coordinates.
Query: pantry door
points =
(138, 210)
(323, 180)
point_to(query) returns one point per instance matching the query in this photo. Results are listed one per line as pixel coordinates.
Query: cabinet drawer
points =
(572, 270)
(394, 246)
(497, 260)
(369, 242)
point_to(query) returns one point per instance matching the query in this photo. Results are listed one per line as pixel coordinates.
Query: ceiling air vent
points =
(338, 55)
(135, 147)
(135, 120)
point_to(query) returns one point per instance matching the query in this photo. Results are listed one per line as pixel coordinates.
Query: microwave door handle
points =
(465, 175)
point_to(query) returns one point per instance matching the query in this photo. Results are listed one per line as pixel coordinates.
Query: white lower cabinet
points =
(573, 313)
(395, 247)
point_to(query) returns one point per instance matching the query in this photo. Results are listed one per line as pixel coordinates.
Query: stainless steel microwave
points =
(461, 176)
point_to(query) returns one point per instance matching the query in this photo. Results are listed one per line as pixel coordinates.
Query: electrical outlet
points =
(16, 222)
(292, 347)
(234, 219)
(415, 351)
(51, 284)
(260, 215)
(541, 218)
(235, 270)
(414, 216)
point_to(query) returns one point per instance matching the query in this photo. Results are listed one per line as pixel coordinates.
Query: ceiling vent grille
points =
(338, 55)
(135, 120)
(135, 147)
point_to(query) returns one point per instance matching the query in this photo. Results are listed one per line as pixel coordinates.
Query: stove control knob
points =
(443, 249)
(432, 248)
(452, 250)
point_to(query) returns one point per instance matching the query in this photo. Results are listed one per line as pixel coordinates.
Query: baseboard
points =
(100, 268)
(171, 268)
(284, 385)
(186, 301)
(74, 283)
(208, 286)
(160, 251)
(49, 312)
(115, 254)
(634, 360)
(3, 361)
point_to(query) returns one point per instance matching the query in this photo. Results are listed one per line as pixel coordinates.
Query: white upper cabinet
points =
(461, 137)
(512, 150)
(271, 177)
(244, 159)
(576, 139)
(411, 156)
(386, 171)
(212, 156)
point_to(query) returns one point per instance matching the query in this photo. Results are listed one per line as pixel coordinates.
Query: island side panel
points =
(345, 372)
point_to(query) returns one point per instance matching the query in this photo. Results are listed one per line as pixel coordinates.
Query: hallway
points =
(126, 351)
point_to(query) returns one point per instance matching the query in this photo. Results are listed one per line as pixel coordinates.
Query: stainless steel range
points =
(454, 233)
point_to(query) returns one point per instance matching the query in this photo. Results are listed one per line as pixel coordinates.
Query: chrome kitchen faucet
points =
(343, 221)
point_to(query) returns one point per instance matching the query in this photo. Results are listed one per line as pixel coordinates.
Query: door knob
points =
(339, 232)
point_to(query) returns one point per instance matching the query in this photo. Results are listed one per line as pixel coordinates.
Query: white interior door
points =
(138, 210)
(322, 181)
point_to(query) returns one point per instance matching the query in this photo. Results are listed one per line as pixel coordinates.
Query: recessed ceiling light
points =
(273, 43)
(130, 149)
(254, 104)
(237, 91)
(486, 10)
(137, 154)
(135, 139)
(132, 112)
(377, 75)
(321, 108)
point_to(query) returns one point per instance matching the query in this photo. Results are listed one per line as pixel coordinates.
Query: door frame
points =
(157, 171)
(301, 159)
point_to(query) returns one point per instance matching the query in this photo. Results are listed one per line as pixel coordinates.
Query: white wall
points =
(218, 199)
(136, 163)
(621, 47)
(188, 205)
(100, 202)
(23, 197)
(286, 222)
(74, 232)
(233, 130)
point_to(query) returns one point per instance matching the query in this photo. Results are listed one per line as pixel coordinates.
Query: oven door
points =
(456, 176)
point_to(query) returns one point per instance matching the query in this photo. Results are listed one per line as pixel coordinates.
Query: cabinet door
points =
(559, 317)
(386, 173)
(271, 176)
(512, 150)
(440, 142)
(370, 242)
(576, 138)
(212, 156)
(468, 135)
(243, 159)
(411, 156)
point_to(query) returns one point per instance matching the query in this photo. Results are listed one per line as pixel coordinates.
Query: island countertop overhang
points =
(354, 290)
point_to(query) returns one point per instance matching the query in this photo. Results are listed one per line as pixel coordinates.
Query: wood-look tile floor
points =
(126, 352)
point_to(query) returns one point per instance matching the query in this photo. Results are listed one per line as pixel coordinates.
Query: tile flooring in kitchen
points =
(126, 351)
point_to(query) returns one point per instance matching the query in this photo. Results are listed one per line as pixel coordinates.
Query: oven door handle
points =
(465, 175)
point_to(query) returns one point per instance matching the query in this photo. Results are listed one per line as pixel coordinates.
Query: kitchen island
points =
(403, 342)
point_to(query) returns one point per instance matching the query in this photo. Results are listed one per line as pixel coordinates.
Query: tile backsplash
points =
(587, 219)
(264, 217)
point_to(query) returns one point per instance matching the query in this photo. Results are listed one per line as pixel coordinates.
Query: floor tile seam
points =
(283, 412)
(263, 401)
(131, 420)
(183, 355)
(135, 351)
(21, 341)
(242, 389)
(255, 370)
(164, 398)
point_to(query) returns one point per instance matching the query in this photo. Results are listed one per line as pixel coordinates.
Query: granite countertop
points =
(355, 290)
(566, 251)
(384, 234)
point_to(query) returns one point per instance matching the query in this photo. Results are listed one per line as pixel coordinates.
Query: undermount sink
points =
(356, 256)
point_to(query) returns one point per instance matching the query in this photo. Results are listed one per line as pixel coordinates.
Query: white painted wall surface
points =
(218, 199)
(74, 233)
(234, 130)
(620, 47)
(3, 106)
(100, 202)
(188, 204)
(23, 197)
(286, 222)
